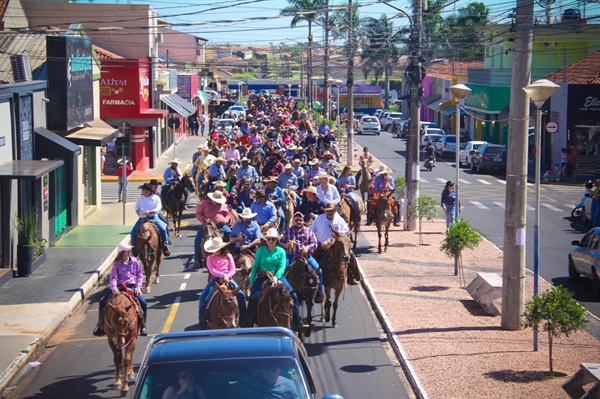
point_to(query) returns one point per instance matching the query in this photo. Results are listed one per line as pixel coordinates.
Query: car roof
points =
(496, 146)
(477, 142)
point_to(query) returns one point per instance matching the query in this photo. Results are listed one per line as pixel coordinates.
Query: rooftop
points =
(584, 71)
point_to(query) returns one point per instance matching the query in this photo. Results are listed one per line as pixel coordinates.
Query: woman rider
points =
(346, 184)
(270, 258)
(125, 270)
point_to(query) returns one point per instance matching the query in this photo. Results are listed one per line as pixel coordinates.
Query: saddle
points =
(266, 287)
(128, 292)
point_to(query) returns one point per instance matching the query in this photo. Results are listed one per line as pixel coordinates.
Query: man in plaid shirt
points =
(314, 170)
(299, 240)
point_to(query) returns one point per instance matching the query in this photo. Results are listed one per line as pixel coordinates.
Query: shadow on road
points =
(83, 386)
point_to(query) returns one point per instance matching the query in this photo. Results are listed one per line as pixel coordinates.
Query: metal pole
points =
(310, 71)
(350, 83)
(536, 227)
(456, 184)
(326, 64)
(515, 219)
(124, 179)
(302, 86)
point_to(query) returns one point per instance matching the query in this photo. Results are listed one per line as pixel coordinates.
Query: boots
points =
(166, 250)
(369, 219)
(142, 321)
(120, 197)
(299, 321)
(318, 296)
(99, 330)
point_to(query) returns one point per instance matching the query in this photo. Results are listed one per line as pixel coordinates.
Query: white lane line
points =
(500, 204)
(501, 181)
(530, 208)
(186, 276)
(552, 207)
(479, 205)
(569, 206)
(441, 180)
(182, 286)
(484, 182)
(463, 181)
(423, 180)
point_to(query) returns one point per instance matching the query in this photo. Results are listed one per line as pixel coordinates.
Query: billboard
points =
(187, 86)
(124, 88)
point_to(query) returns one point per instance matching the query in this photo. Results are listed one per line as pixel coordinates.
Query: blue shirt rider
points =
(172, 175)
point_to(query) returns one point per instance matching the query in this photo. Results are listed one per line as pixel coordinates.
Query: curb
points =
(30, 350)
(114, 179)
(409, 371)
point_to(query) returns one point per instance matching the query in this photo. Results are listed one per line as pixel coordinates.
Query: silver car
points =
(369, 124)
(446, 145)
(584, 259)
(467, 150)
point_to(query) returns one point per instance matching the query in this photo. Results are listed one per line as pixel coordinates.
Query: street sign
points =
(552, 127)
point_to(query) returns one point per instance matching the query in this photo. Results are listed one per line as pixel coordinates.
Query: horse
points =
(275, 305)
(223, 307)
(202, 179)
(305, 282)
(333, 256)
(175, 200)
(256, 159)
(150, 250)
(365, 178)
(348, 213)
(121, 329)
(288, 207)
(243, 267)
(383, 217)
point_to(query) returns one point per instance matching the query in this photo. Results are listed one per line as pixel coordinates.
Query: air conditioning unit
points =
(548, 44)
(21, 67)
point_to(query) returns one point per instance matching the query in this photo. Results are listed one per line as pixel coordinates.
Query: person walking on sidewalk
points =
(449, 203)
(120, 179)
(125, 270)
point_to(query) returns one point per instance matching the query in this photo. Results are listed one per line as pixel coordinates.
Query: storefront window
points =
(89, 176)
(588, 140)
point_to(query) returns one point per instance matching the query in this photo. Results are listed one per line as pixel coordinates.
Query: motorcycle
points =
(583, 209)
(429, 164)
(394, 128)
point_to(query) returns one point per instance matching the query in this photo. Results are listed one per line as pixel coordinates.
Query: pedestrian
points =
(193, 123)
(202, 120)
(449, 203)
(572, 162)
(120, 179)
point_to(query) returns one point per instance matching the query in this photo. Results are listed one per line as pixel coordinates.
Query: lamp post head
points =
(314, 78)
(459, 91)
(330, 81)
(540, 90)
(338, 82)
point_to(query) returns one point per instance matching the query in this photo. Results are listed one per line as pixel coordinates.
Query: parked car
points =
(383, 116)
(369, 124)
(239, 109)
(584, 259)
(489, 157)
(403, 131)
(264, 92)
(391, 117)
(467, 150)
(426, 125)
(226, 124)
(446, 145)
(223, 363)
(379, 112)
(430, 136)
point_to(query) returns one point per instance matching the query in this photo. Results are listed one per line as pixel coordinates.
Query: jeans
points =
(206, 294)
(202, 127)
(162, 228)
(312, 263)
(255, 293)
(108, 294)
(199, 234)
(120, 182)
(450, 215)
(301, 183)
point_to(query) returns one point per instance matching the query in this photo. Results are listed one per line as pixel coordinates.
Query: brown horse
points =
(175, 200)
(121, 328)
(311, 153)
(150, 250)
(256, 159)
(351, 216)
(305, 282)
(383, 217)
(333, 256)
(288, 207)
(210, 231)
(202, 179)
(365, 179)
(223, 308)
(275, 305)
(243, 267)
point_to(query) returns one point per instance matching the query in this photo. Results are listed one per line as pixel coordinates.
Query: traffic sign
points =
(552, 127)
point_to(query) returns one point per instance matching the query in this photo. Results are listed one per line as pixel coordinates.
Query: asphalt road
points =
(351, 360)
(483, 198)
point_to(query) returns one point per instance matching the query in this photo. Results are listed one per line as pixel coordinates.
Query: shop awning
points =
(50, 145)
(203, 97)
(154, 113)
(451, 110)
(435, 105)
(429, 99)
(93, 134)
(27, 169)
(179, 105)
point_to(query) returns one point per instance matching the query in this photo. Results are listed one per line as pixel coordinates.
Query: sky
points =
(276, 31)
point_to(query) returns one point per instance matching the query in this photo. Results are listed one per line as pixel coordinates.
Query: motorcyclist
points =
(429, 152)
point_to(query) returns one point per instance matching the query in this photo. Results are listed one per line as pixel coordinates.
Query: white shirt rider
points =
(321, 226)
(151, 205)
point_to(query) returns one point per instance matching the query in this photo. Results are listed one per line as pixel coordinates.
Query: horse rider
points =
(300, 155)
(300, 241)
(266, 213)
(246, 234)
(244, 197)
(288, 179)
(327, 142)
(213, 208)
(247, 172)
(172, 175)
(154, 184)
(327, 192)
(204, 160)
(314, 170)
(311, 139)
(215, 172)
(378, 185)
(273, 167)
(346, 184)
(276, 195)
(328, 164)
(300, 173)
(270, 258)
(310, 205)
(322, 226)
(256, 141)
(125, 270)
(195, 156)
(221, 266)
(149, 206)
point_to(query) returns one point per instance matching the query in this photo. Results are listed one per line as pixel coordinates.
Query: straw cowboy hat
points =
(296, 160)
(311, 189)
(172, 161)
(322, 175)
(288, 166)
(201, 147)
(258, 194)
(299, 148)
(272, 233)
(218, 197)
(382, 170)
(313, 162)
(328, 206)
(215, 244)
(219, 159)
(245, 159)
(219, 183)
(270, 179)
(327, 154)
(291, 147)
(247, 214)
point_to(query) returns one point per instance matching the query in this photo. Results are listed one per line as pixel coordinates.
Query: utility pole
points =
(326, 106)
(515, 216)
(350, 83)
(415, 75)
(309, 73)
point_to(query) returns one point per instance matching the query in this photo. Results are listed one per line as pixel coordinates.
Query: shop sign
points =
(124, 88)
(591, 104)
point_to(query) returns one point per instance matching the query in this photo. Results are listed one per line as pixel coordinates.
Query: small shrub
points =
(424, 207)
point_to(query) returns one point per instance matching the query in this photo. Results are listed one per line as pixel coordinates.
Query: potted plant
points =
(26, 240)
(557, 313)
(424, 207)
(460, 236)
(160, 84)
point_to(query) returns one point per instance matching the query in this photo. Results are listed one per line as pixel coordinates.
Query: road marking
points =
(570, 206)
(479, 205)
(441, 180)
(186, 276)
(171, 317)
(551, 207)
(502, 181)
(500, 204)
(484, 182)
(464, 181)
(530, 208)
(182, 286)
(423, 180)
(184, 224)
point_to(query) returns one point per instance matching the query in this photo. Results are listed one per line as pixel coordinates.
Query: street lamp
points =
(289, 89)
(313, 91)
(338, 83)
(300, 93)
(330, 81)
(539, 91)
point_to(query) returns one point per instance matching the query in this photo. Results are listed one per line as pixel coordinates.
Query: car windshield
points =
(434, 137)
(225, 122)
(495, 150)
(395, 115)
(476, 146)
(236, 108)
(264, 378)
(371, 119)
(450, 139)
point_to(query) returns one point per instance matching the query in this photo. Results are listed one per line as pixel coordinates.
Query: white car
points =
(369, 123)
(237, 109)
(391, 117)
(446, 145)
(434, 137)
(465, 156)
(584, 259)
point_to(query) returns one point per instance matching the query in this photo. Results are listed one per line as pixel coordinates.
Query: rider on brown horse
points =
(149, 206)
(213, 208)
(246, 233)
(382, 180)
(126, 270)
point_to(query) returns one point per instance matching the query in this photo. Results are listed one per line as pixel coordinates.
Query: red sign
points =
(124, 88)
(46, 192)
(552, 127)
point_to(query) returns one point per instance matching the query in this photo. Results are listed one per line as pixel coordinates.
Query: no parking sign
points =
(552, 127)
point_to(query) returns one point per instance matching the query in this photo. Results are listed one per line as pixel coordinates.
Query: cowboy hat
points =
(270, 179)
(291, 147)
(288, 166)
(299, 148)
(258, 194)
(219, 183)
(322, 175)
(124, 247)
(276, 154)
(219, 159)
(313, 162)
(172, 161)
(272, 233)
(201, 147)
(296, 160)
(311, 189)
(215, 244)
(247, 214)
(154, 182)
(382, 170)
(327, 153)
(145, 186)
(328, 206)
(245, 159)
(218, 197)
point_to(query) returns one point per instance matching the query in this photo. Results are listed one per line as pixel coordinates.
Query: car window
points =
(450, 139)
(371, 119)
(586, 240)
(595, 241)
(395, 115)
(495, 150)
(476, 146)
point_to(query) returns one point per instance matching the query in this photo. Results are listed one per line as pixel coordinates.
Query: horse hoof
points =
(124, 392)
(157, 280)
(117, 385)
(131, 377)
(147, 290)
(307, 332)
(327, 319)
(334, 324)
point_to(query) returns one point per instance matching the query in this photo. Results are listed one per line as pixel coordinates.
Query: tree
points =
(459, 237)
(424, 207)
(464, 31)
(558, 313)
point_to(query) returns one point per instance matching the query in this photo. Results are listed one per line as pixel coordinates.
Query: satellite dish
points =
(545, 3)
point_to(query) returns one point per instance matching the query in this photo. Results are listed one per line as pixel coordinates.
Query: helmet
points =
(589, 184)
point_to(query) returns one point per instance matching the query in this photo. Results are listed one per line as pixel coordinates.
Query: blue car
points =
(249, 363)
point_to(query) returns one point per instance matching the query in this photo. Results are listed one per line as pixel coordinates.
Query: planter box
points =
(38, 262)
